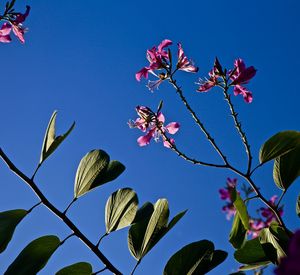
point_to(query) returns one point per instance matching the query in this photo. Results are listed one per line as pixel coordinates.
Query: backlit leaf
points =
(238, 232)
(8, 223)
(51, 141)
(278, 145)
(34, 256)
(240, 207)
(81, 268)
(120, 209)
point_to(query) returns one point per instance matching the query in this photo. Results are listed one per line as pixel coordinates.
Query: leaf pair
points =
(95, 169)
(151, 224)
(284, 147)
(269, 247)
(195, 258)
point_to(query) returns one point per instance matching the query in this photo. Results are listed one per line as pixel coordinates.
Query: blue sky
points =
(80, 58)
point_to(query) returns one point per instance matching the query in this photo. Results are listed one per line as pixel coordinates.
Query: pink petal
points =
(161, 117)
(5, 38)
(165, 43)
(144, 140)
(142, 73)
(173, 127)
(19, 32)
(167, 143)
(5, 29)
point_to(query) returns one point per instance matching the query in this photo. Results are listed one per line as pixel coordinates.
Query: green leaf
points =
(240, 207)
(120, 209)
(94, 170)
(91, 167)
(238, 232)
(34, 256)
(278, 145)
(278, 238)
(51, 141)
(144, 213)
(298, 206)
(143, 235)
(8, 223)
(287, 168)
(113, 170)
(81, 268)
(251, 253)
(190, 258)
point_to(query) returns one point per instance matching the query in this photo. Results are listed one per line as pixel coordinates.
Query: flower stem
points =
(238, 126)
(197, 120)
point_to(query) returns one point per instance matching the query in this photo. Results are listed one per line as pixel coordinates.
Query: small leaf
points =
(51, 141)
(144, 234)
(278, 145)
(190, 258)
(287, 168)
(298, 206)
(81, 268)
(240, 207)
(251, 253)
(91, 167)
(34, 256)
(113, 170)
(238, 232)
(8, 223)
(120, 209)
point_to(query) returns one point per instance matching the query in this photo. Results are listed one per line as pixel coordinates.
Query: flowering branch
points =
(59, 214)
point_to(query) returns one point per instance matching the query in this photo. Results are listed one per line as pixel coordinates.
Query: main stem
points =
(59, 214)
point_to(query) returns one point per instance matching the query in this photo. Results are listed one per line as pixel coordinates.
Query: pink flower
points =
(157, 58)
(242, 75)
(214, 74)
(228, 208)
(183, 63)
(16, 26)
(153, 124)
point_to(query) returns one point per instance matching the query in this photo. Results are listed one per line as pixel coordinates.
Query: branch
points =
(238, 126)
(59, 214)
(197, 120)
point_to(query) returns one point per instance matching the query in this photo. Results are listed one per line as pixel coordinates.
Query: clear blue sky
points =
(80, 58)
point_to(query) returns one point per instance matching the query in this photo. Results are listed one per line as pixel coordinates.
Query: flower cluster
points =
(153, 124)
(239, 76)
(265, 215)
(14, 23)
(160, 59)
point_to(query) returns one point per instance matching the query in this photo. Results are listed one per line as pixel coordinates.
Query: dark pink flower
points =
(228, 208)
(16, 26)
(148, 122)
(242, 75)
(290, 265)
(184, 63)
(157, 58)
(214, 75)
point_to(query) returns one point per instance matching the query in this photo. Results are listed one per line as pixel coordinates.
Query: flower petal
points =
(173, 127)
(142, 73)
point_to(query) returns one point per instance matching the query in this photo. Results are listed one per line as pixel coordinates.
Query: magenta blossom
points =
(242, 75)
(153, 124)
(214, 75)
(184, 63)
(290, 265)
(16, 26)
(228, 208)
(157, 58)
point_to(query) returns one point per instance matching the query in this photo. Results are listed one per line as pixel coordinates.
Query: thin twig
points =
(63, 241)
(238, 126)
(103, 236)
(133, 270)
(36, 205)
(280, 198)
(197, 120)
(59, 214)
(70, 204)
(34, 173)
(101, 270)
